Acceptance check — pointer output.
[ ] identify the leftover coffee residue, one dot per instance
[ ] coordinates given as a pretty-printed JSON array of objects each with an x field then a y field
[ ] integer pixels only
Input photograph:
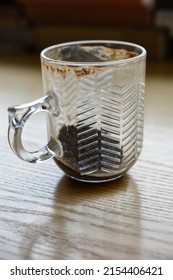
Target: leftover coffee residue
[{"x": 84, "y": 54}]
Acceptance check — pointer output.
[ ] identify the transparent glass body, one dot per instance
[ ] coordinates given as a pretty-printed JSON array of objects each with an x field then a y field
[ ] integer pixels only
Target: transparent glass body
[
  {"x": 99, "y": 87},
  {"x": 94, "y": 97}
]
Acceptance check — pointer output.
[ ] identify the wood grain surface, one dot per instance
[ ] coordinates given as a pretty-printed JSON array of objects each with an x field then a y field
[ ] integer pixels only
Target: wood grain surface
[{"x": 46, "y": 215}]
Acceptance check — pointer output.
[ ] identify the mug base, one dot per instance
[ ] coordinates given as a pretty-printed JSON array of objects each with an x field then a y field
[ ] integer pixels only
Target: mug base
[
  {"x": 96, "y": 180},
  {"x": 88, "y": 178}
]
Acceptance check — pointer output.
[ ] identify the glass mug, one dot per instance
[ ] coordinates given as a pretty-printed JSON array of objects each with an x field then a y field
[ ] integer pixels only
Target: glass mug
[{"x": 94, "y": 97}]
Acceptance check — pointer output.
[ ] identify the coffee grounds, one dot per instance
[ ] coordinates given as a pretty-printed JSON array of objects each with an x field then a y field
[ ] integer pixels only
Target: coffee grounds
[
  {"x": 69, "y": 163},
  {"x": 67, "y": 137}
]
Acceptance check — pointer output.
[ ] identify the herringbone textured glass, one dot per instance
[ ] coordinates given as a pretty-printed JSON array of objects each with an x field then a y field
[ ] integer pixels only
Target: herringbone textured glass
[
  {"x": 107, "y": 122},
  {"x": 100, "y": 124}
]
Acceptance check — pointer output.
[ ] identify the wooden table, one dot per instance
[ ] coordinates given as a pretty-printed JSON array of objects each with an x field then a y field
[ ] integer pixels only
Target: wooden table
[{"x": 45, "y": 215}]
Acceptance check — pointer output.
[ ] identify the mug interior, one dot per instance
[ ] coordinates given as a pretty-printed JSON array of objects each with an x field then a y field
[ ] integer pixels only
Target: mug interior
[{"x": 93, "y": 52}]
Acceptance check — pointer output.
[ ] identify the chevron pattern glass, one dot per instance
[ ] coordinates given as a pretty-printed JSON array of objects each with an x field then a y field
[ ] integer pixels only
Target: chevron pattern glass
[{"x": 94, "y": 94}]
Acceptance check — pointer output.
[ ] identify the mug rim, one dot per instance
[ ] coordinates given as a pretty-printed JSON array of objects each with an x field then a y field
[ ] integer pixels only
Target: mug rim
[{"x": 136, "y": 58}]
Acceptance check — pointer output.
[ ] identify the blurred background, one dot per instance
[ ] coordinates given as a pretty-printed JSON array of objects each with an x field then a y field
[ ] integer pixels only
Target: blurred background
[{"x": 30, "y": 25}]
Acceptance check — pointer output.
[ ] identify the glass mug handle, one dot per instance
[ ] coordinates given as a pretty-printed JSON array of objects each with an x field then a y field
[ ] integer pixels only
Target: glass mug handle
[{"x": 18, "y": 116}]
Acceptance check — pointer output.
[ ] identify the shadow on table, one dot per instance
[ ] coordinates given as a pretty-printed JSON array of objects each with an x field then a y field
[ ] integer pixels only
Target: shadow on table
[{"x": 88, "y": 221}]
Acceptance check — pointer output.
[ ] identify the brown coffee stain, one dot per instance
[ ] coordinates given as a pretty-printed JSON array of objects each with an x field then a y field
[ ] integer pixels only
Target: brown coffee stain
[
  {"x": 112, "y": 54},
  {"x": 78, "y": 71}
]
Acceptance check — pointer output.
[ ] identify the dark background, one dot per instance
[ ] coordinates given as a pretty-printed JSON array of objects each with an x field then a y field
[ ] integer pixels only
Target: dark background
[{"x": 31, "y": 25}]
